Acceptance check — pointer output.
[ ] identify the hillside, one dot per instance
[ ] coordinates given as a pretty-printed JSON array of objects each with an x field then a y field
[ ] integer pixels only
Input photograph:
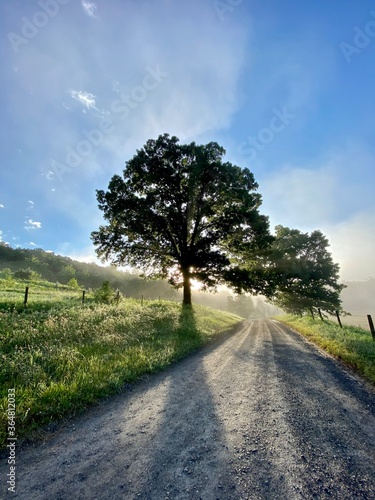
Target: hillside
[{"x": 58, "y": 269}]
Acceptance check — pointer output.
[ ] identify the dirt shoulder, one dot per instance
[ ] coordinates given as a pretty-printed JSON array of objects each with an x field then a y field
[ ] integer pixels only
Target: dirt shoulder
[{"x": 259, "y": 414}]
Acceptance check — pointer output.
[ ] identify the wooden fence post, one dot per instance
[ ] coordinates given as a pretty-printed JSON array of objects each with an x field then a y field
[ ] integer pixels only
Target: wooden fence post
[
  {"x": 320, "y": 314},
  {"x": 338, "y": 318},
  {"x": 142, "y": 300},
  {"x": 370, "y": 322},
  {"x": 83, "y": 296},
  {"x": 26, "y": 296},
  {"x": 118, "y": 296}
]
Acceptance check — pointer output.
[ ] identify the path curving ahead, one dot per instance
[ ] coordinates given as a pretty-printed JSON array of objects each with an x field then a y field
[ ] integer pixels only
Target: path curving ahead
[{"x": 259, "y": 414}]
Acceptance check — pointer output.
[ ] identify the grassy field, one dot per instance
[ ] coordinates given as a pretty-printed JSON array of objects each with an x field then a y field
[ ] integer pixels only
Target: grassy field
[
  {"x": 353, "y": 345},
  {"x": 42, "y": 295},
  {"x": 62, "y": 357}
]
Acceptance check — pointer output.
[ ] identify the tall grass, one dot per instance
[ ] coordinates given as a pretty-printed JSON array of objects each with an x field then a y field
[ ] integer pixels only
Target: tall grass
[
  {"x": 61, "y": 360},
  {"x": 353, "y": 345},
  {"x": 43, "y": 295}
]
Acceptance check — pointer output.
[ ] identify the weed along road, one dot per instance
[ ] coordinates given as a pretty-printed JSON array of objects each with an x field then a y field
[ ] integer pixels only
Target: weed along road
[{"x": 260, "y": 413}]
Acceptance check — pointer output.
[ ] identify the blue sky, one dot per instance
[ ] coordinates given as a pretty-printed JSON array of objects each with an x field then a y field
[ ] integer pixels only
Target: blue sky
[{"x": 286, "y": 87}]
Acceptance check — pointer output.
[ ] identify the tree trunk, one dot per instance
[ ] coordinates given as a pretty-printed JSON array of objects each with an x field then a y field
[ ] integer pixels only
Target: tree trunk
[{"x": 187, "y": 288}]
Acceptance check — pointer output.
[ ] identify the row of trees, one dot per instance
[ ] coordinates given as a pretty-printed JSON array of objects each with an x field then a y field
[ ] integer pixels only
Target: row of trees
[{"x": 181, "y": 212}]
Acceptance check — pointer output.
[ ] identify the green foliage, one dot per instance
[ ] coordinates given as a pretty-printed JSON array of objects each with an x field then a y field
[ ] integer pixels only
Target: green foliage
[
  {"x": 350, "y": 344},
  {"x": 301, "y": 271},
  {"x": 73, "y": 283},
  {"x": 105, "y": 293},
  {"x": 66, "y": 274},
  {"x": 64, "y": 359},
  {"x": 180, "y": 212},
  {"x": 241, "y": 305},
  {"x": 26, "y": 274},
  {"x": 6, "y": 273}
]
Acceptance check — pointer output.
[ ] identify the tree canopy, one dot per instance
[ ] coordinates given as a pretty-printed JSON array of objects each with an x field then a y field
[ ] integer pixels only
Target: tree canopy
[
  {"x": 180, "y": 212},
  {"x": 302, "y": 273}
]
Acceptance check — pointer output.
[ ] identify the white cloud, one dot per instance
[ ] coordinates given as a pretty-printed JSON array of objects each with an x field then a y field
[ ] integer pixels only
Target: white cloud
[
  {"x": 2, "y": 206},
  {"x": 31, "y": 205},
  {"x": 353, "y": 245},
  {"x": 89, "y": 8},
  {"x": 84, "y": 98},
  {"x": 30, "y": 225},
  {"x": 32, "y": 244},
  {"x": 321, "y": 192}
]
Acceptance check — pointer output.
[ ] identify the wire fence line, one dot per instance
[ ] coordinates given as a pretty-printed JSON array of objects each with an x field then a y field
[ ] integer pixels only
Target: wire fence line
[
  {"x": 20, "y": 297},
  {"x": 28, "y": 295}
]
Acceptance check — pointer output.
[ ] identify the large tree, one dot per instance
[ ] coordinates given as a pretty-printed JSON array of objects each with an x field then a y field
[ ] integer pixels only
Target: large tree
[
  {"x": 301, "y": 274},
  {"x": 180, "y": 212}
]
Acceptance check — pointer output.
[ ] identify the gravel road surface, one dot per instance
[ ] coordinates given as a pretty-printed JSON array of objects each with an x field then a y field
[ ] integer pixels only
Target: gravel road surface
[{"x": 260, "y": 414}]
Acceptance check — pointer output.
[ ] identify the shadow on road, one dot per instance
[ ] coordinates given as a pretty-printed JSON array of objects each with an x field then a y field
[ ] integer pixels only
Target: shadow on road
[{"x": 189, "y": 446}]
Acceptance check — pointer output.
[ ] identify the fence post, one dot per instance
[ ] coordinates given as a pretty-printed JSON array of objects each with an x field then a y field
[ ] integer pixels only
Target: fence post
[
  {"x": 370, "y": 322},
  {"x": 26, "y": 296},
  {"x": 338, "y": 318},
  {"x": 320, "y": 314},
  {"x": 142, "y": 300},
  {"x": 83, "y": 296},
  {"x": 118, "y": 296},
  {"x": 312, "y": 313}
]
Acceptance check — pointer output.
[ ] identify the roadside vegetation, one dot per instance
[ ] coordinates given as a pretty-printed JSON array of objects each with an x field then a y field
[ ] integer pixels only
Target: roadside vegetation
[
  {"x": 352, "y": 345},
  {"x": 61, "y": 356}
]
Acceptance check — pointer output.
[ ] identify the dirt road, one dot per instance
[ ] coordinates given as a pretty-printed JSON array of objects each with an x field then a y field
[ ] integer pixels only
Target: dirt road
[{"x": 259, "y": 414}]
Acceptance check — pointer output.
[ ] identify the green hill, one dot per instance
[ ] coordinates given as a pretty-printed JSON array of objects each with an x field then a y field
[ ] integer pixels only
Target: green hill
[{"x": 56, "y": 268}]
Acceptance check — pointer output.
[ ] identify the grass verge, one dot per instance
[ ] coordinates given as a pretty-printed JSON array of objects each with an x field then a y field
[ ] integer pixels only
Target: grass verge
[
  {"x": 62, "y": 360},
  {"x": 352, "y": 345}
]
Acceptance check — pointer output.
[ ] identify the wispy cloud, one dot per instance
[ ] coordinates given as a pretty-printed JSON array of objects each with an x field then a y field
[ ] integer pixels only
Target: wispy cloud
[
  {"x": 2, "y": 206},
  {"x": 31, "y": 225},
  {"x": 85, "y": 98},
  {"x": 31, "y": 205},
  {"x": 89, "y": 8}
]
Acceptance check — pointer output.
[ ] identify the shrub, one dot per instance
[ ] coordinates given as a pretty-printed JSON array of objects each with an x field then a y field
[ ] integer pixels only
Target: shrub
[
  {"x": 73, "y": 283},
  {"x": 105, "y": 293}
]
